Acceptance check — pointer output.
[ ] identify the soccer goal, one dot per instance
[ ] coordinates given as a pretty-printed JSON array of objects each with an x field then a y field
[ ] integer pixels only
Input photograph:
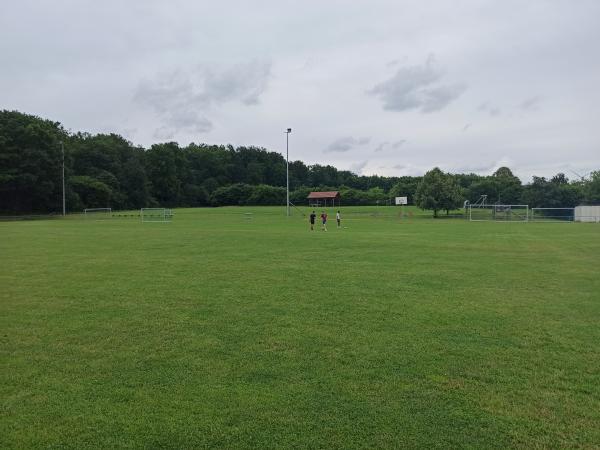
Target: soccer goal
[
  {"x": 97, "y": 213},
  {"x": 557, "y": 215},
  {"x": 156, "y": 214},
  {"x": 499, "y": 213}
]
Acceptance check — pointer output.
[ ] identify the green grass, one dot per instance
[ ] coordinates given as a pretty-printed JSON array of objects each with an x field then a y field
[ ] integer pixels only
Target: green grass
[{"x": 219, "y": 331}]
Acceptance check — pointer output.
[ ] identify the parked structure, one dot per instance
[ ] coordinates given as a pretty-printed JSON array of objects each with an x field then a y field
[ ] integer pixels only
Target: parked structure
[
  {"x": 329, "y": 198},
  {"x": 587, "y": 213}
]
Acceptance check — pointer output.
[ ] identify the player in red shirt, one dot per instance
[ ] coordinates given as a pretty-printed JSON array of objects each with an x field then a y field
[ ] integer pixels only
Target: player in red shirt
[{"x": 324, "y": 221}]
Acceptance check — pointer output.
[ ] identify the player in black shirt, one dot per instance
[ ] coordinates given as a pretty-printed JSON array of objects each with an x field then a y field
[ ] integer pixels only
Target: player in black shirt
[{"x": 313, "y": 216}]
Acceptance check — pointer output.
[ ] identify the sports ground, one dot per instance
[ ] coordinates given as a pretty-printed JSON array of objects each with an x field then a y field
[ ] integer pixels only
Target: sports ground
[{"x": 234, "y": 330}]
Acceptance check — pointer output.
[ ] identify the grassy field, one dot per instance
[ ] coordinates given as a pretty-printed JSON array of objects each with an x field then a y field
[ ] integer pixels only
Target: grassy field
[{"x": 219, "y": 330}]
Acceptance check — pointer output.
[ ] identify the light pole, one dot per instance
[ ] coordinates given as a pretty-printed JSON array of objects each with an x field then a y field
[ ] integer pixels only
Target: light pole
[
  {"x": 62, "y": 146},
  {"x": 287, "y": 168}
]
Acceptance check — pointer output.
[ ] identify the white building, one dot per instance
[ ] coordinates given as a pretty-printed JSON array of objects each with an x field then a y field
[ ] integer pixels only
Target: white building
[{"x": 587, "y": 214}]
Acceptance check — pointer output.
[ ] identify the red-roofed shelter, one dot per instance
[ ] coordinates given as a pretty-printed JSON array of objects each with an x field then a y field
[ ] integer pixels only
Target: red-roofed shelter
[{"x": 322, "y": 198}]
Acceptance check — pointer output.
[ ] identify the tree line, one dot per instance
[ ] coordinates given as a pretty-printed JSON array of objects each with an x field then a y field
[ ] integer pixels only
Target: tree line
[
  {"x": 441, "y": 191},
  {"x": 106, "y": 170}
]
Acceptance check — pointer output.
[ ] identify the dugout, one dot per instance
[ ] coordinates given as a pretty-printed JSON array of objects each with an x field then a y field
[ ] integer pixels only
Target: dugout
[{"x": 329, "y": 198}]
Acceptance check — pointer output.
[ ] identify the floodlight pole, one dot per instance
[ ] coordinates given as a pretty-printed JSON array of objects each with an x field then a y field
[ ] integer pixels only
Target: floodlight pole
[
  {"x": 287, "y": 169},
  {"x": 62, "y": 146}
]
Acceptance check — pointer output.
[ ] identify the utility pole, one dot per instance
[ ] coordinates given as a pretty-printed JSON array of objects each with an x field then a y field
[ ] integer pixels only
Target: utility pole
[
  {"x": 287, "y": 168},
  {"x": 62, "y": 146}
]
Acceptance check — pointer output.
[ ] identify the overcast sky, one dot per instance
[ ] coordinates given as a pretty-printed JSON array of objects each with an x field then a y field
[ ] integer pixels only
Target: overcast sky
[{"x": 387, "y": 87}]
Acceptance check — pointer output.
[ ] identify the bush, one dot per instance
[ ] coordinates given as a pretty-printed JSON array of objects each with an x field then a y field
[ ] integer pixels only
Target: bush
[
  {"x": 267, "y": 195},
  {"x": 92, "y": 192},
  {"x": 235, "y": 194}
]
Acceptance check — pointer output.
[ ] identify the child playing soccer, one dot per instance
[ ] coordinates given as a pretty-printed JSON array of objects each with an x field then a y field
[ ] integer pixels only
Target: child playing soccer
[{"x": 324, "y": 221}]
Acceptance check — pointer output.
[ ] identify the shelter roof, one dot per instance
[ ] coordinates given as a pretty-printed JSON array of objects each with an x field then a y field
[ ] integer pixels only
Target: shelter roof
[{"x": 327, "y": 194}]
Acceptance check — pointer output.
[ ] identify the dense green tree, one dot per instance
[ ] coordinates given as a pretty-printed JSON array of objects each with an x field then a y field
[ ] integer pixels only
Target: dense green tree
[
  {"x": 114, "y": 161},
  {"x": 538, "y": 194},
  {"x": 556, "y": 193},
  {"x": 134, "y": 182},
  {"x": 591, "y": 190},
  {"x": 454, "y": 197},
  {"x": 298, "y": 174},
  {"x": 165, "y": 168},
  {"x": 508, "y": 186},
  {"x": 267, "y": 195},
  {"x": 406, "y": 187},
  {"x": 465, "y": 180},
  {"x": 501, "y": 187},
  {"x": 484, "y": 186},
  {"x": 438, "y": 191},
  {"x": 92, "y": 192},
  {"x": 235, "y": 194},
  {"x": 322, "y": 175},
  {"x": 30, "y": 163},
  {"x": 560, "y": 179},
  {"x": 566, "y": 194}
]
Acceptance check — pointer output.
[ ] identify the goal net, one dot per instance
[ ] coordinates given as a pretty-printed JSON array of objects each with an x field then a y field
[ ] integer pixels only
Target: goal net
[
  {"x": 552, "y": 214},
  {"x": 97, "y": 213},
  {"x": 156, "y": 214},
  {"x": 499, "y": 213}
]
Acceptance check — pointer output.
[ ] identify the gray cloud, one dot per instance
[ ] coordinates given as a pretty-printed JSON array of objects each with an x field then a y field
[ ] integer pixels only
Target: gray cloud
[
  {"x": 438, "y": 98},
  {"x": 488, "y": 108},
  {"x": 244, "y": 82},
  {"x": 396, "y": 145},
  {"x": 417, "y": 87},
  {"x": 180, "y": 98},
  {"x": 186, "y": 120},
  {"x": 346, "y": 143},
  {"x": 531, "y": 103},
  {"x": 390, "y": 145},
  {"x": 466, "y": 127},
  {"x": 381, "y": 147}
]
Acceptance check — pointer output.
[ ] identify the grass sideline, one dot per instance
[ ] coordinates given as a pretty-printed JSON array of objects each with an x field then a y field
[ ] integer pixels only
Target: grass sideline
[{"x": 217, "y": 330}]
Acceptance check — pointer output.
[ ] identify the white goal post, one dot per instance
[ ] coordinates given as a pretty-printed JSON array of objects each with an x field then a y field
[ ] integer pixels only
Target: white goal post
[
  {"x": 499, "y": 213},
  {"x": 97, "y": 213},
  {"x": 156, "y": 214}
]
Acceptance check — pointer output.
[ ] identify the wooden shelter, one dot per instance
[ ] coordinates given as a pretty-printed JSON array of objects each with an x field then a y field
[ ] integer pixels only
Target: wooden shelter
[{"x": 324, "y": 198}]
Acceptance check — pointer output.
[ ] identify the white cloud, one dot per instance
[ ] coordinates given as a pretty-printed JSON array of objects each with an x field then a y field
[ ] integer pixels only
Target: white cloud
[{"x": 358, "y": 167}]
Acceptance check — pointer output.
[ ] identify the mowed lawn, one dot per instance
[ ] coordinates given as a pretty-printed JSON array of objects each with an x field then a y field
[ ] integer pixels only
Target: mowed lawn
[{"x": 228, "y": 330}]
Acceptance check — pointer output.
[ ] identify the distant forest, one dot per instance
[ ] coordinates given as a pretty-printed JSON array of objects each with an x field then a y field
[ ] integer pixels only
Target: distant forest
[{"x": 106, "y": 170}]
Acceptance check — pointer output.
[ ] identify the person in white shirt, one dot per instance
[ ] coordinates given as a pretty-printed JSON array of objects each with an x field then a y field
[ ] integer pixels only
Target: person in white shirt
[{"x": 339, "y": 219}]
